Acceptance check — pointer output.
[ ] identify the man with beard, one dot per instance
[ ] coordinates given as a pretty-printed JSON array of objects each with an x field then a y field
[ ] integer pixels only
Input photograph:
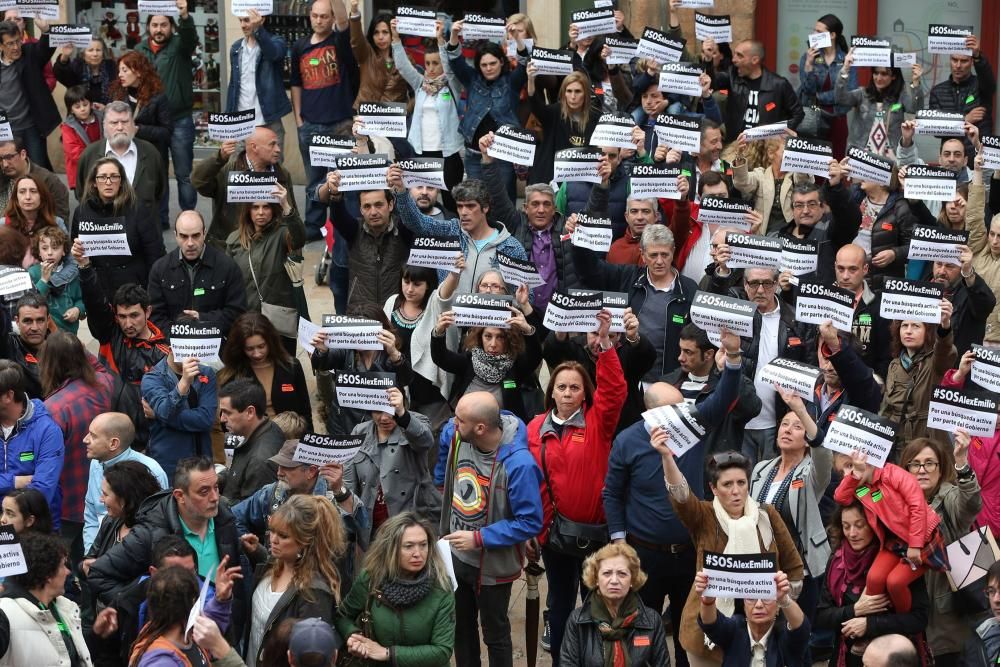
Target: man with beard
[
  {"x": 970, "y": 295},
  {"x": 32, "y": 316},
  {"x": 426, "y": 197},
  {"x": 757, "y": 96},
  {"x": 144, "y": 167}
]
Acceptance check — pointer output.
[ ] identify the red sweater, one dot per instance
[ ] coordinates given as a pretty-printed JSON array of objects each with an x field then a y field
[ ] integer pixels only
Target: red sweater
[
  {"x": 895, "y": 501},
  {"x": 578, "y": 462}
]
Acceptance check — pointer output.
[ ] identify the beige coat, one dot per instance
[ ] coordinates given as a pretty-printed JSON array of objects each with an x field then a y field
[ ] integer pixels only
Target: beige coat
[
  {"x": 759, "y": 184},
  {"x": 986, "y": 263},
  {"x": 33, "y": 634}
]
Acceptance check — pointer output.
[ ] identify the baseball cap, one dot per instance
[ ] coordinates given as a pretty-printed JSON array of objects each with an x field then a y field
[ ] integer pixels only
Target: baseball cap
[
  {"x": 313, "y": 636},
  {"x": 284, "y": 457}
]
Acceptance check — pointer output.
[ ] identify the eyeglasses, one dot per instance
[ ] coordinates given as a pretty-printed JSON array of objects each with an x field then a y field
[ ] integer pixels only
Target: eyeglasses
[
  {"x": 755, "y": 285},
  {"x": 108, "y": 178},
  {"x": 800, "y": 205},
  {"x": 13, "y": 43},
  {"x": 9, "y": 157},
  {"x": 916, "y": 466},
  {"x": 992, "y": 592}
]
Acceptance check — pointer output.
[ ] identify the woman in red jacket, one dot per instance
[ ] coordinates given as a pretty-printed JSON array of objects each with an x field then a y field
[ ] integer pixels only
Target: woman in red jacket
[{"x": 571, "y": 443}]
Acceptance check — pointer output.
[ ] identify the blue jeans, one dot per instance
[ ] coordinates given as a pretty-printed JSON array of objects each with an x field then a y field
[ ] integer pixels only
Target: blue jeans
[
  {"x": 315, "y": 211},
  {"x": 34, "y": 143},
  {"x": 182, "y": 155}
]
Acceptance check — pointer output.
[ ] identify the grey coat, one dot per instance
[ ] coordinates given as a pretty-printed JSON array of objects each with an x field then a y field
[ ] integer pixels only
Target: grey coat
[
  {"x": 814, "y": 472},
  {"x": 863, "y": 111},
  {"x": 399, "y": 466}
]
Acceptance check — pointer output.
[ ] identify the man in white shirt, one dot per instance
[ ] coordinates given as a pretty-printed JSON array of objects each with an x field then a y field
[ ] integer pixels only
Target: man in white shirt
[{"x": 256, "y": 65}]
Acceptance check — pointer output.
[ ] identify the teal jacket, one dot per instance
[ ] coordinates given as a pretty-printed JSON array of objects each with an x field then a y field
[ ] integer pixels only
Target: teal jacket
[
  {"x": 173, "y": 62},
  {"x": 61, "y": 298}
]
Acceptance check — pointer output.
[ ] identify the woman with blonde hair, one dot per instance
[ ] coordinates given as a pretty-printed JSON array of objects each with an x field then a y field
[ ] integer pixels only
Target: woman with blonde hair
[
  {"x": 301, "y": 579},
  {"x": 568, "y": 122},
  {"x": 405, "y": 593},
  {"x": 613, "y": 626},
  {"x": 761, "y": 177}
]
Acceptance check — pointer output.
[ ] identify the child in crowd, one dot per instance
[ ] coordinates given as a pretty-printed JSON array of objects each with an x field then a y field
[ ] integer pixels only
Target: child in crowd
[
  {"x": 906, "y": 526},
  {"x": 57, "y": 278},
  {"x": 83, "y": 126},
  {"x": 292, "y": 424}
]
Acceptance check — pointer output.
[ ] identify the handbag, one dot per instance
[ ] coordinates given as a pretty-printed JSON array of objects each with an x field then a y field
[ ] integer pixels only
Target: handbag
[
  {"x": 284, "y": 319},
  {"x": 815, "y": 124},
  {"x": 571, "y": 538},
  {"x": 364, "y": 623},
  {"x": 969, "y": 587}
]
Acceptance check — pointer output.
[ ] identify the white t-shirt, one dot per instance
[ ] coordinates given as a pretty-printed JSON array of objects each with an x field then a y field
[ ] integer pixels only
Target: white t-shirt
[{"x": 767, "y": 351}]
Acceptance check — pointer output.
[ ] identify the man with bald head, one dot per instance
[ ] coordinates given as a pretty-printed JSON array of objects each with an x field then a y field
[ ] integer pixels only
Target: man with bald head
[
  {"x": 210, "y": 177},
  {"x": 891, "y": 651},
  {"x": 491, "y": 507},
  {"x": 635, "y": 497},
  {"x": 196, "y": 280},
  {"x": 757, "y": 96},
  {"x": 870, "y": 330},
  {"x": 109, "y": 441}
]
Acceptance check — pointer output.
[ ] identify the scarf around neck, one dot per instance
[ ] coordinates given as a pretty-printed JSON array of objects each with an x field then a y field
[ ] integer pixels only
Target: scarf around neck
[
  {"x": 490, "y": 368},
  {"x": 849, "y": 568},
  {"x": 403, "y": 593},
  {"x": 434, "y": 86},
  {"x": 743, "y": 538},
  {"x": 614, "y": 631}
]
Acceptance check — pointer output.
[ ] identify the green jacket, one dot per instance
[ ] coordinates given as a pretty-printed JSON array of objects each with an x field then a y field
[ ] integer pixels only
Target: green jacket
[
  {"x": 419, "y": 636},
  {"x": 173, "y": 62},
  {"x": 268, "y": 254},
  {"x": 60, "y": 300}
]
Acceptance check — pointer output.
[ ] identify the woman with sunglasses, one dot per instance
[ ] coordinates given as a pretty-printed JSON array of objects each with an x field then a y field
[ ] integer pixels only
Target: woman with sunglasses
[{"x": 732, "y": 523}]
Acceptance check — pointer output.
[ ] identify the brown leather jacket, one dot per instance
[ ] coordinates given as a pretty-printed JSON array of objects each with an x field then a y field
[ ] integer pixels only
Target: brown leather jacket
[{"x": 378, "y": 82}]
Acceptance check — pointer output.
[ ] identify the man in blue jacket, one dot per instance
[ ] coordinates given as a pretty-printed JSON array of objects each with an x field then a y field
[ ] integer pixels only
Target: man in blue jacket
[
  {"x": 32, "y": 442},
  {"x": 491, "y": 506}
]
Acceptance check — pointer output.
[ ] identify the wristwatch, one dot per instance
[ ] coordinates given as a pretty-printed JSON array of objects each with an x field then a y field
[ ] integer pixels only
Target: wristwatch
[{"x": 342, "y": 495}]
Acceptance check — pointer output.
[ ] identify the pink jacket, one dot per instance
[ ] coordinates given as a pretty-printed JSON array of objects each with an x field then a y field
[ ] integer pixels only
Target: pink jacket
[{"x": 895, "y": 501}]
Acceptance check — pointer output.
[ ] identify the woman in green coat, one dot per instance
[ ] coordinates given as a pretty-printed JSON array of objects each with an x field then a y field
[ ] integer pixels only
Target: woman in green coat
[{"x": 406, "y": 590}]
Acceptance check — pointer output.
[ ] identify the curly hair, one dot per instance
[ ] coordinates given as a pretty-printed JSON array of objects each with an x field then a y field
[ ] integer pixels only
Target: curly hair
[
  {"x": 148, "y": 79},
  {"x": 46, "y": 216},
  {"x": 132, "y": 482},
  {"x": 316, "y": 526},
  {"x": 835, "y": 529},
  {"x": 44, "y": 554},
  {"x": 593, "y": 563},
  {"x": 55, "y": 236},
  {"x": 515, "y": 340}
]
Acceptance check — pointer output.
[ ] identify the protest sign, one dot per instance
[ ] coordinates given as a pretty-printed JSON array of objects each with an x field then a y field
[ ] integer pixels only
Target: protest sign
[
  {"x": 924, "y": 182},
  {"x": 577, "y": 164},
  {"x": 614, "y": 302},
  {"x": 195, "y": 341},
  {"x": 518, "y": 271},
  {"x": 793, "y": 376},
  {"x": 235, "y": 126},
  {"x": 798, "y": 257},
  {"x": 306, "y": 331},
  {"x": 419, "y": 171},
  {"x": 762, "y": 132},
  {"x": 594, "y": 22},
  {"x": 529, "y": 45},
  {"x": 435, "y": 252},
  {"x": 746, "y": 576},
  {"x": 986, "y": 368},
  {"x": 712, "y": 312},
  {"x": 753, "y": 252},
  {"x": 820, "y": 40},
  {"x": 241, "y": 8},
  {"x": 871, "y": 51},
  {"x": 657, "y": 45},
  {"x": 482, "y": 310},
  {"x": 158, "y": 8},
  {"x": 696, "y": 4},
  {"x": 684, "y": 429},
  {"x": 975, "y": 411},
  {"x": 933, "y": 122},
  {"x": 363, "y": 172},
  {"x": 102, "y": 237},
  {"x": 990, "y": 151},
  {"x": 904, "y": 59},
  {"x": 681, "y": 79},
  {"x": 592, "y": 232},
  {"x": 680, "y": 132},
  {"x": 935, "y": 244},
  {"x": 655, "y": 180},
  {"x": 869, "y": 167},
  {"x": 352, "y": 333},
  {"x": 807, "y": 156},
  {"x": 911, "y": 300},
  {"x": 948, "y": 39},
  {"x": 246, "y": 187},
  {"x": 6, "y": 132},
  {"x": 552, "y": 61},
  {"x": 79, "y": 36},
  {"x": 573, "y": 313},
  {"x": 11, "y": 555},
  {"x": 817, "y": 303},
  {"x": 382, "y": 119},
  {"x": 483, "y": 26},
  {"x": 613, "y": 129},
  {"x": 198, "y": 608},
  {"x": 14, "y": 280},
  {"x": 729, "y": 213},
  {"x": 43, "y": 9},
  {"x": 365, "y": 391},
  {"x": 622, "y": 49},
  {"x": 325, "y": 149},
  {"x": 416, "y": 21},
  {"x": 718, "y": 27},
  {"x": 854, "y": 429},
  {"x": 512, "y": 144},
  {"x": 318, "y": 449}
]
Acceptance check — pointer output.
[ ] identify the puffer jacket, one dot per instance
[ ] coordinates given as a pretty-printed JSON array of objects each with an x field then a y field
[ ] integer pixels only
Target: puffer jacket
[
  {"x": 35, "y": 447},
  {"x": 381, "y": 81},
  {"x": 976, "y": 90},
  {"x": 75, "y": 139},
  {"x": 864, "y": 109},
  {"x": 759, "y": 184},
  {"x": 908, "y": 392},
  {"x": 33, "y": 637},
  {"x": 499, "y": 99},
  {"x": 891, "y": 230},
  {"x": 268, "y": 253},
  {"x": 173, "y": 63},
  {"x": 583, "y": 645}
]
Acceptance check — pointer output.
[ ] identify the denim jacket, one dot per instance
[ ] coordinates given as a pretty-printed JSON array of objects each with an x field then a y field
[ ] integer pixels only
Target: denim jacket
[
  {"x": 274, "y": 103},
  {"x": 810, "y": 84},
  {"x": 500, "y": 99},
  {"x": 445, "y": 103}
]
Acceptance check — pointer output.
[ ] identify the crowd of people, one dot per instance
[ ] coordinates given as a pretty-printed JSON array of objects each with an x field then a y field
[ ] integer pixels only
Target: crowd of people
[{"x": 164, "y": 506}]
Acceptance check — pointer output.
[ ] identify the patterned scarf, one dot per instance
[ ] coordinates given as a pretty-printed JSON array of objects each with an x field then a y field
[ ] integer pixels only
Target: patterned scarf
[
  {"x": 433, "y": 86},
  {"x": 615, "y": 630},
  {"x": 490, "y": 368}
]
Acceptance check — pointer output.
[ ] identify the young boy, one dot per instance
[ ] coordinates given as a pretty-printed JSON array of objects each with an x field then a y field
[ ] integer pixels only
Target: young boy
[
  {"x": 83, "y": 126},
  {"x": 57, "y": 278}
]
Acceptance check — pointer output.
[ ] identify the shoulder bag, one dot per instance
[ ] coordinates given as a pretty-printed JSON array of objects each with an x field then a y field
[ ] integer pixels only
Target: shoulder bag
[
  {"x": 571, "y": 538},
  {"x": 284, "y": 319}
]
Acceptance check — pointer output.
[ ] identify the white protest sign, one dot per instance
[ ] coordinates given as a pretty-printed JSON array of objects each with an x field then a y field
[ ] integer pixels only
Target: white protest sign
[
  {"x": 904, "y": 59},
  {"x": 932, "y": 122},
  {"x": 614, "y": 302},
  {"x": 684, "y": 429},
  {"x": 990, "y": 151},
  {"x": 435, "y": 253},
  {"x": 613, "y": 129},
  {"x": 38, "y": 9},
  {"x": 948, "y": 39},
  {"x": 482, "y": 310},
  {"x": 655, "y": 180},
  {"x": 718, "y": 28},
  {"x": 986, "y": 368},
  {"x": 592, "y": 232},
  {"x": 573, "y": 313},
  {"x": 14, "y": 280},
  {"x": 552, "y": 61},
  {"x": 443, "y": 548},
  {"x": 512, "y": 144},
  {"x": 680, "y": 132},
  {"x": 577, "y": 164},
  {"x": 196, "y": 341},
  {"x": 246, "y": 187},
  {"x": 869, "y": 167},
  {"x": 622, "y": 50},
  {"x": 729, "y": 213},
  {"x": 11, "y": 555},
  {"x": 807, "y": 156},
  {"x": 518, "y": 271},
  {"x": 975, "y": 411},
  {"x": 854, "y": 429},
  {"x": 159, "y": 8},
  {"x": 382, "y": 119},
  {"x": 529, "y": 45},
  {"x": 317, "y": 449},
  {"x": 306, "y": 331},
  {"x": 657, "y": 45},
  {"x": 935, "y": 244},
  {"x": 820, "y": 40},
  {"x": 594, "y": 22},
  {"x": 351, "y": 333},
  {"x": 911, "y": 300},
  {"x": 79, "y": 36},
  {"x": 325, "y": 149},
  {"x": 6, "y": 132},
  {"x": 103, "y": 237},
  {"x": 241, "y": 8},
  {"x": 363, "y": 172},
  {"x": 924, "y": 182},
  {"x": 798, "y": 257},
  {"x": 872, "y": 51},
  {"x": 199, "y": 605},
  {"x": 793, "y": 376},
  {"x": 753, "y": 252},
  {"x": 680, "y": 78},
  {"x": 817, "y": 303},
  {"x": 696, "y": 4},
  {"x": 365, "y": 391},
  {"x": 483, "y": 26},
  {"x": 417, "y": 21},
  {"x": 762, "y": 132},
  {"x": 236, "y": 126},
  {"x": 423, "y": 171},
  {"x": 711, "y": 312},
  {"x": 747, "y": 576}
]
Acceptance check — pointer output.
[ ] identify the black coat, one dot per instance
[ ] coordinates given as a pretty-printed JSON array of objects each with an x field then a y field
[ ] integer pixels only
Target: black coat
[
  {"x": 218, "y": 293},
  {"x": 973, "y": 306},
  {"x": 252, "y": 468},
  {"x": 289, "y": 392},
  {"x": 154, "y": 123},
  {"x": 342, "y": 421},
  {"x": 777, "y": 101},
  {"x": 891, "y": 230},
  {"x": 76, "y": 72},
  {"x": 583, "y": 646},
  {"x": 149, "y": 183},
  {"x": 43, "y": 110}
]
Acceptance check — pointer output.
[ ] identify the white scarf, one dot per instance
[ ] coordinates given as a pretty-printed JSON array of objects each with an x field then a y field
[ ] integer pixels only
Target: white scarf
[{"x": 743, "y": 538}]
